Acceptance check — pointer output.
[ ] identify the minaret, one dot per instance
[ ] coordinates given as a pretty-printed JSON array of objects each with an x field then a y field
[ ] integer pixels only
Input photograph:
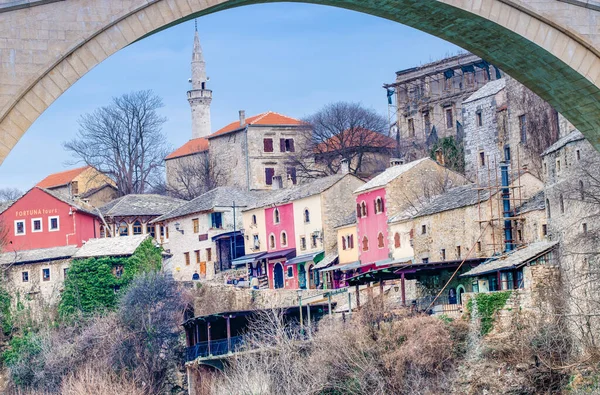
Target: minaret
[{"x": 199, "y": 97}]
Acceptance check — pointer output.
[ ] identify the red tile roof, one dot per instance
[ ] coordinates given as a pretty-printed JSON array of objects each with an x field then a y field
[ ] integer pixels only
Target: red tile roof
[
  {"x": 266, "y": 118},
  {"x": 62, "y": 178},
  {"x": 191, "y": 147},
  {"x": 361, "y": 137}
]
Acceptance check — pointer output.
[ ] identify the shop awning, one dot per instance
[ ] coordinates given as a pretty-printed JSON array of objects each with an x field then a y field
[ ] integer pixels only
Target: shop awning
[
  {"x": 315, "y": 257},
  {"x": 343, "y": 267},
  {"x": 388, "y": 273},
  {"x": 328, "y": 260},
  {"x": 244, "y": 260},
  {"x": 289, "y": 253},
  {"x": 226, "y": 235}
]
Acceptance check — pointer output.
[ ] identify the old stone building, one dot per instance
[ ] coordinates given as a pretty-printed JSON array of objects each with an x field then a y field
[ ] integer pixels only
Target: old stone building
[
  {"x": 429, "y": 100},
  {"x": 504, "y": 121}
]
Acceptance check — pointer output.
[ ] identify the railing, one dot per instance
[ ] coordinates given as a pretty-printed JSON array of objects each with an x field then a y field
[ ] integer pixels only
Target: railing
[
  {"x": 442, "y": 305},
  {"x": 214, "y": 348}
]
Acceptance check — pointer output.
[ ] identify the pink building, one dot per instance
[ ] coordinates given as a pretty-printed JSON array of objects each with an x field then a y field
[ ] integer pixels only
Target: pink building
[
  {"x": 281, "y": 245},
  {"x": 372, "y": 228}
]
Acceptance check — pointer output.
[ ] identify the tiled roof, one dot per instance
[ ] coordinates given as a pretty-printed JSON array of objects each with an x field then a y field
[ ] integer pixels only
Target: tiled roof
[
  {"x": 191, "y": 147},
  {"x": 61, "y": 178},
  {"x": 39, "y": 255},
  {"x": 65, "y": 199},
  {"x": 489, "y": 89},
  {"x": 266, "y": 118},
  {"x": 536, "y": 202},
  {"x": 389, "y": 174},
  {"x": 110, "y": 246},
  {"x": 352, "y": 139},
  {"x": 134, "y": 205},
  {"x": 512, "y": 260},
  {"x": 462, "y": 196},
  {"x": 218, "y": 197},
  {"x": 302, "y": 191},
  {"x": 575, "y": 135}
]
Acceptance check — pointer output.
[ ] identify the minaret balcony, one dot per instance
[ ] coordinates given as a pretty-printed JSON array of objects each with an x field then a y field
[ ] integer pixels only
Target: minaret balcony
[{"x": 199, "y": 93}]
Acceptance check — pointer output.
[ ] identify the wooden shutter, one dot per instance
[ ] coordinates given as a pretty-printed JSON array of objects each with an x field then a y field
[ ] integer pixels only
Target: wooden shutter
[
  {"x": 358, "y": 210},
  {"x": 343, "y": 242},
  {"x": 268, "y": 145},
  {"x": 282, "y": 145},
  {"x": 351, "y": 241},
  {"x": 291, "y": 144},
  {"x": 269, "y": 173}
]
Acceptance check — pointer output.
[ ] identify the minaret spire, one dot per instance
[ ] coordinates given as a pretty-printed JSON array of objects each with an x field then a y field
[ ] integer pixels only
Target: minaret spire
[{"x": 199, "y": 96}]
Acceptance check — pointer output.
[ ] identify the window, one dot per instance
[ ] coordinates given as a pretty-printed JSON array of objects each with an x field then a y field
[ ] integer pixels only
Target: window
[
  {"x": 548, "y": 209},
  {"x": 411, "y": 127},
  {"x": 291, "y": 174},
  {"x": 276, "y": 217},
  {"x": 506, "y": 153},
  {"x": 123, "y": 229},
  {"x": 117, "y": 271},
  {"x": 19, "y": 227},
  {"x": 443, "y": 254},
  {"x": 397, "y": 240},
  {"x": 557, "y": 165},
  {"x": 523, "y": 127},
  {"x": 53, "y": 224},
  {"x": 519, "y": 235},
  {"x": 358, "y": 210},
  {"x": 286, "y": 145},
  {"x": 380, "y": 242},
  {"x": 272, "y": 241},
  {"x": 153, "y": 231},
  {"x": 269, "y": 173},
  {"x": 458, "y": 252},
  {"x": 256, "y": 242},
  {"x": 209, "y": 254},
  {"x": 584, "y": 227},
  {"x": 423, "y": 229},
  {"x": 65, "y": 270},
  {"x": 283, "y": 239},
  {"x": 448, "y": 83},
  {"x": 351, "y": 241},
  {"x": 36, "y": 225},
  {"x": 545, "y": 168},
  {"x": 303, "y": 243},
  {"x": 254, "y": 219},
  {"x": 544, "y": 230},
  {"x": 196, "y": 225},
  {"x": 363, "y": 209},
  {"x": 562, "y": 204},
  {"x": 479, "y": 118},
  {"x": 426, "y": 122},
  {"x": 25, "y": 276},
  {"x": 46, "y": 274},
  {"x": 137, "y": 228},
  {"x": 469, "y": 79},
  {"x": 268, "y": 145},
  {"x": 449, "y": 118},
  {"x": 306, "y": 216},
  {"x": 344, "y": 243},
  {"x": 479, "y": 246},
  {"x": 74, "y": 188},
  {"x": 197, "y": 253},
  {"x": 290, "y": 272},
  {"x": 162, "y": 231},
  {"x": 425, "y": 260},
  {"x": 186, "y": 255},
  {"x": 578, "y": 155},
  {"x": 216, "y": 220},
  {"x": 378, "y": 205},
  {"x": 581, "y": 190},
  {"x": 365, "y": 244},
  {"x": 102, "y": 232},
  {"x": 313, "y": 240}
]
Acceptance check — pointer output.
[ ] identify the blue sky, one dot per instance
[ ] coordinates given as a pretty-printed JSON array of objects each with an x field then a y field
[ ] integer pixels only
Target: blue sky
[{"x": 284, "y": 57}]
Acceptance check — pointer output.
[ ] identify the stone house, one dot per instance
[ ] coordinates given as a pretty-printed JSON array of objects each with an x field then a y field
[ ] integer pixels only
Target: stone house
[
  {"x": 185, "y": 161},
  {"x": 85, "y": 184},
  {"x": 429, "y": 100},
  {"x": 504, "y": 121},
  {"x": 132, "y": 215},
  {"x": 297, "y": 226},
  {"x": 206, "y": 233}
]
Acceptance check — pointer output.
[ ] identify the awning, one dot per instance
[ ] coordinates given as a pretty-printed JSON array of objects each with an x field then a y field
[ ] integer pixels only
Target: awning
[
  {"x": 226, "y": 235},
  {"x": 315, "y": 257},
  {"x": 388, "y": 273},
  {"x": 244, "y": 260},
  {"x": 512, "y": 260},
  {"x": 344, "y": 267},
  {"x": 384, "y": 262},
  {"x": 328, "y": 260},
  {"x": 289, "y": 253}
]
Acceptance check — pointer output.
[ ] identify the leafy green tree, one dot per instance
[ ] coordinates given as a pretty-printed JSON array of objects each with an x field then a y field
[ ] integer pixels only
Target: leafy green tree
[{"x": 453, "y": 152}]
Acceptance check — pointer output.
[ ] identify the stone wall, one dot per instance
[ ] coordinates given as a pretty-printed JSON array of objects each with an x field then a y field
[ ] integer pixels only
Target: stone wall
[{"x": 229, "y": 153}]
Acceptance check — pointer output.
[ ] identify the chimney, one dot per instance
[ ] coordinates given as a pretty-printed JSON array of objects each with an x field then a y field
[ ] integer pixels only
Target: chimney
[
  {"x": 242, "y": 117},
  {"x": 344, "y": 166},
  {"x": 396, "y": 162},
  {"x": 439, "y": 157},
  {"x": 277, "y": 183}
]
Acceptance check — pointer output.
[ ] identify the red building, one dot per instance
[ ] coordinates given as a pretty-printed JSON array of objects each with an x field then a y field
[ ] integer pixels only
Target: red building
[{"x": 45, "y": 219}]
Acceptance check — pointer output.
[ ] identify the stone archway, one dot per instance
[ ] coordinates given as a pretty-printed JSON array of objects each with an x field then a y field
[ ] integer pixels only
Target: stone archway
[{"x": 550, "y": 46}]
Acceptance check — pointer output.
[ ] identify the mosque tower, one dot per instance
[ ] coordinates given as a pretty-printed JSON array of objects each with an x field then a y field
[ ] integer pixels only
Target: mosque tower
[{"x": 199, "y": 97}]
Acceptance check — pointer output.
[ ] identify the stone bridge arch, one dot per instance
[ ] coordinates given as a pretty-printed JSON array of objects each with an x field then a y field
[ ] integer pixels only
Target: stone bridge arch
[{"x": 550, "y": 46}]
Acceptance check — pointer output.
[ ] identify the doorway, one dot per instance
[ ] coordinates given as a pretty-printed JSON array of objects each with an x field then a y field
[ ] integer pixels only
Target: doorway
[{"x": 278, "y": 276}]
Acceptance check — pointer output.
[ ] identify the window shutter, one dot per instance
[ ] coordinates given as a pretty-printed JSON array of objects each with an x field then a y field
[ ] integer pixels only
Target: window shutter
[
  {"x": 269, "y": 173},
  {"x": 382, "y": 205},
  {"x": 268, "y": 145},
  {"x": 282, "y": 145},
  {"x": 292, "y": 149},
  {"x": 357, "y": 210},
  {"x": 343, "y": 242},
  {"x": 375, "y": 206},
  {"x": 292, "y": 174}
]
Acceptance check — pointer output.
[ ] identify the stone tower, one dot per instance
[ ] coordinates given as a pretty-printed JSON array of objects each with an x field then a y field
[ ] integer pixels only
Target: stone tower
[{"x": 199, "y": 97}]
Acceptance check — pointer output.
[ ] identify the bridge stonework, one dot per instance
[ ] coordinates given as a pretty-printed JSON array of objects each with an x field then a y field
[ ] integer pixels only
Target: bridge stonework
[{"x": 551, "y": 46}]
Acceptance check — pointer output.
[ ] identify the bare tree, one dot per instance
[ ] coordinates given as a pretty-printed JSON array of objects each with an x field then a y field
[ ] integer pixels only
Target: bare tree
[
  {"x": 194, "y": 175},
  {"x": 343, "y": 131},
  {"x": 124, "y": 140},
  {"x": 10, "y": 194}
]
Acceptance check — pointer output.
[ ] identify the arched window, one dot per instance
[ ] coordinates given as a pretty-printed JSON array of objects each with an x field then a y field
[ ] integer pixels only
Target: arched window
[
  {"x": 272, "y": 241},
  {"x": 581, "y": 191},
  {"x": 137, "y": 228},
  {"x": 358, "y": 210},
  {"x": 365, "y": 244},
  {"x": 548, "y": 209},
  {"x": 283, "y": 239},
  {"x": 397, "y": 240},
  {"x": 276, "y": 216},
  {"x": 306, "y": 216},
  {"x": 253, "y": 219},
  {"x": 363, "y": 209},
  {"x": 123, "y": 229},
  {"x": 562, "y": 204},
  {"x": 380, "y": 242},
  {"x": 378, "y": 205}
]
